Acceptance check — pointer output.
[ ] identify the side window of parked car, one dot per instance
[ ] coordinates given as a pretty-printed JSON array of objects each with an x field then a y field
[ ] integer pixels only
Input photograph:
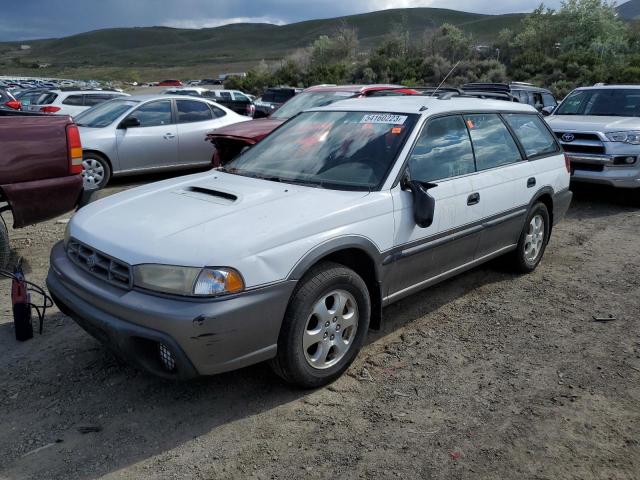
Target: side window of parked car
[
  {"x": 91, "y": 100},
  {"x": 443, "y": 150},
  {"x": 533, "y": 135},
  {"x": 154, "y": 114},
  {"x": 217, "y": 112},
  {"x": 225, "y": 95},
  {"x": 548, "y": 100},
  {"x": 190, "y": 111},
  {"x": 492, "y": 141},
  {"x": 237, "y": 96},
  {"x": 74, "y": 100}
]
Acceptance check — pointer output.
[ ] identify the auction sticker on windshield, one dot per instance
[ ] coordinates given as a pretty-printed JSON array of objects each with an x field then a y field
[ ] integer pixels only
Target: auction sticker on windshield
[{"x": 384, "y": 118}]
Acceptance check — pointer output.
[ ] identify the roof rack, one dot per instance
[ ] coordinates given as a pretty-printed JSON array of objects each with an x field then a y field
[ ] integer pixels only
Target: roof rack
[{"x": 487, "y": 87}]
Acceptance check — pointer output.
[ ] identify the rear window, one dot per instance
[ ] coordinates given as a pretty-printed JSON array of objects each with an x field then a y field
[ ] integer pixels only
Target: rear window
[
  {"x": 46, "y": 98},
  {"x": 190, "y": 111},
  {"x": 533, "y": 135},
  {"x": 74, "y": 100},
  {"x": 277, "y": 96}
]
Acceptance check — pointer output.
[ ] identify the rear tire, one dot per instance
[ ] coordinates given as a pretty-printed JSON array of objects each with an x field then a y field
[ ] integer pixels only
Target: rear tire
[
  {"x": 533, "y": 240},
  {"x": 96, "y": 171},
  {"x": 5, "y": 250},
  {"x": 324, "y": 327}
]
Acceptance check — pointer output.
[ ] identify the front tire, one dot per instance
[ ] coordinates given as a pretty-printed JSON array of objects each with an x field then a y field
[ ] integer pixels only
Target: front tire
[
  {"x": 96, "y": 171},
  {"x": 533, "y": 239},
  {"x": 324, "y": 327}
]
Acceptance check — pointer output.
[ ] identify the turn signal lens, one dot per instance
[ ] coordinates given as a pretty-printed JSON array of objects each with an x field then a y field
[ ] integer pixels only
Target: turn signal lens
[
  {"x": 218, "y": 282},
  {"x": 75, "y": 150}
]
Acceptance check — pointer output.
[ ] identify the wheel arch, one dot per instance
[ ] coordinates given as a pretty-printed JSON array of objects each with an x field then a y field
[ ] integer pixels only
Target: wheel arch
[
  {"x": 102, "y": 154},
  {"x": 357, "y": 253},
  {"x": 545, "y": 196}
]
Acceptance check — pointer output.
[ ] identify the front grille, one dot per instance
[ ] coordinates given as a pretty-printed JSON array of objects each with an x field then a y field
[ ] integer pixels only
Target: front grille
[
  {"x": 580, "y": 136},
  {"x": 577, "y": 148},
  {"x": 98, "y": 264},
  {"x": 589, "y": 167}
]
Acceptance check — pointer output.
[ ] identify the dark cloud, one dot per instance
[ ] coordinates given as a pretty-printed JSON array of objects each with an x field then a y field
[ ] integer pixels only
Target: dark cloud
[{"x": 29, "y": 19}]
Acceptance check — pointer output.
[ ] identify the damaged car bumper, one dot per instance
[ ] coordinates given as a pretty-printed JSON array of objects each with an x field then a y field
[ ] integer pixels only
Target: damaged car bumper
[{"x": 170, "y": 336}]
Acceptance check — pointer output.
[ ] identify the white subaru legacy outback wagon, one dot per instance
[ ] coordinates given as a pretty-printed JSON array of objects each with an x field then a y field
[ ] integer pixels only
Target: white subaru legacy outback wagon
[{"x": 289, "y": 252}]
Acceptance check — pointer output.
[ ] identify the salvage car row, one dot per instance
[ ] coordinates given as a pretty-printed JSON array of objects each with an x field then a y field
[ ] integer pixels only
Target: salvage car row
[{"x": 347, "y": 199}]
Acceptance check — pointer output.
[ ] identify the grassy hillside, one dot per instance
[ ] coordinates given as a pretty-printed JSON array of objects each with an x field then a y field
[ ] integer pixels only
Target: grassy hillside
[
  {"x": 629, "y": 10},
  {"x": 156, "y": 48}
]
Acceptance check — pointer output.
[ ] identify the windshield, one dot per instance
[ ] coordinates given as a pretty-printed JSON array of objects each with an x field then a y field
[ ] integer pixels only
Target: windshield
[
  {"x": 104, "y": 114},
  {"x": 340, "y": 150},
  {"x": 618, "y": 102},
  {"x": 305, "y": 101}
]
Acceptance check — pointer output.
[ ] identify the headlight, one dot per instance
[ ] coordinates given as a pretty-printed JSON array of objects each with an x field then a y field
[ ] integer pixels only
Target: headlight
[
  {"x": 625, "y": 137},
  {"x": 188, "y": 281}
]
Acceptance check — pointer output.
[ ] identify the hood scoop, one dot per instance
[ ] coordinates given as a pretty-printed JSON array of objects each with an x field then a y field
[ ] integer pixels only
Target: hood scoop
[{"x": 208, "y": 194}]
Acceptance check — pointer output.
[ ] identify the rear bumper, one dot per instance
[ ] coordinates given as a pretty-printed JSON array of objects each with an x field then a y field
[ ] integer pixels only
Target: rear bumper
[
  {"x": 39, "y": 200},
  {"x": 205, "y": 337}
]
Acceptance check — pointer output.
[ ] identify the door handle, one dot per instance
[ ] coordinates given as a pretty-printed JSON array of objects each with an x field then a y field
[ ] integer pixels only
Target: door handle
[
  {"x": 168, "y": 136},
  {"x": 473, "y": 199},
  {"x": 531, "y": 182}
]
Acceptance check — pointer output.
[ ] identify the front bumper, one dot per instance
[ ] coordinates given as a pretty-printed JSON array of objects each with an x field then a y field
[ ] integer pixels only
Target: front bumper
[
  {"x": 601, "y": 170},
  {"x": 205, "y": 337}
]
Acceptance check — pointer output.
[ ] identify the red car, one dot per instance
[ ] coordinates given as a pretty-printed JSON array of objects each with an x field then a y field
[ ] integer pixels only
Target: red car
[
  {"x": 232, "y": 139},
  {"x": 170, "y": 83}
]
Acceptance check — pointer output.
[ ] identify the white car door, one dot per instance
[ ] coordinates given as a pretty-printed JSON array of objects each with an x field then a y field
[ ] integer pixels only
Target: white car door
[
  {"x": 151, "y": 144},
  {"x": 500, "y": 181},
  {"x": 195, "y": 119},
  {"x": 442, "y": 156}
]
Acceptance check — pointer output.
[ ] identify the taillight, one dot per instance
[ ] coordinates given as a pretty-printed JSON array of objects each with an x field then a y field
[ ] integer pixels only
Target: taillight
[
  {"x": 15, "y": 104},
  {"x": 567, "y": 162},
  {"x": 74, "y": 150},
  {"x": 49, "y": 109},
  {"x": 251, "y": 109}
]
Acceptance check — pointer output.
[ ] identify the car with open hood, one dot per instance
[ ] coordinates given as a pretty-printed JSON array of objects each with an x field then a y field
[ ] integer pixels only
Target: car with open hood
[{"x": 289, "y": 252}]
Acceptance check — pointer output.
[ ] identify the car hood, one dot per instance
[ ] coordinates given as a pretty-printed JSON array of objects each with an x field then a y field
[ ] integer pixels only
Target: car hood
[
  {"x": 213, "y": 219},
  {"x": 562, "y": 123},
  {"x": 253, "y": 130}
]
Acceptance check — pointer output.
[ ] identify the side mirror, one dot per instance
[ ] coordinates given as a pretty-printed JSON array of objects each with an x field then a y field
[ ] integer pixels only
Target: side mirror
[
  {"x": 546, "y": 111},
  {"x": 424, "y": 205},
  {"x": 129, "y": 122}
]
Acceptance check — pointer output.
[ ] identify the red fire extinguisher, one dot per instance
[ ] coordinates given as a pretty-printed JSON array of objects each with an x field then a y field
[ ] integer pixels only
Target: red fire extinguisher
[{"x": 21, "y": 300}]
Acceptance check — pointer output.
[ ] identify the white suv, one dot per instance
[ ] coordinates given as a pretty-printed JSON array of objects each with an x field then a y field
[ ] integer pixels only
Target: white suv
[
  {"x": 290, "y": 251},
  {"x": 70, "y": 102}
]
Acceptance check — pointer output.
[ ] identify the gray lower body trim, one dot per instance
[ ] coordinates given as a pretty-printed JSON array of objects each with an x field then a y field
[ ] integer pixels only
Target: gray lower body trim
[{"x": 443, "y": 276}]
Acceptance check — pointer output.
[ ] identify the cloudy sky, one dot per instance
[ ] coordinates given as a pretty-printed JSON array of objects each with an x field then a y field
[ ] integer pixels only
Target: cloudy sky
[{"x": 26, "y": 19}]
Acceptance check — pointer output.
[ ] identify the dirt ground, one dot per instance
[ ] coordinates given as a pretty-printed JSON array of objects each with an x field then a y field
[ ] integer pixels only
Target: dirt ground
[{"x": 489, "y": 375}]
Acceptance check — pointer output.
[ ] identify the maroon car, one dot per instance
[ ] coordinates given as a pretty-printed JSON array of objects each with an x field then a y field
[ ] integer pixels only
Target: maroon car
[
  {"x": 232, "y": 139},
  {"x": 40, "y": 169},
  {"x": 170, "y": 83}
]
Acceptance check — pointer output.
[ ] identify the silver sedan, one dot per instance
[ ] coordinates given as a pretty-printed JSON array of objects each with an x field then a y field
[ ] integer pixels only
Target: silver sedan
[{"x": 148, "y": 133}]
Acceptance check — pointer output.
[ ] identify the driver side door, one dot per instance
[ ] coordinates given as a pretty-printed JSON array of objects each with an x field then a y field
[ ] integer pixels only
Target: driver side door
[
  {"x": 152, "y": 144},
  {"x": 442, "y": 156}
]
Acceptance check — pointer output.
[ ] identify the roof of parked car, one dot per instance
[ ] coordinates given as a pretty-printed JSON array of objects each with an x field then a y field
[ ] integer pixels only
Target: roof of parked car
[
  {"x": 425, "y": 105},
  {"x": 350, "y": 88},
  {"x": 609, "y": 87}
]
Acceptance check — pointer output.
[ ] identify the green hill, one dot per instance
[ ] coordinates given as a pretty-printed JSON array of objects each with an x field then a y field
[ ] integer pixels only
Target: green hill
[
  {"x": 238, "y": 45},
  {"x": 629, "y": 10}
]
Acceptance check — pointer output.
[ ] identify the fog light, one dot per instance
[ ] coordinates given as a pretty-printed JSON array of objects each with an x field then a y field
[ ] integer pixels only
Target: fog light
[
  {"x": 166, "y": 358},
  {"x": 630, "y": 160}
]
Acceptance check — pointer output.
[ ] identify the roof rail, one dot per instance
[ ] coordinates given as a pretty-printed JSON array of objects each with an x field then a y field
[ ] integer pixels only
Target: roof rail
[
  {"x": 488, "y": 87},
  {"x": 524, "y": 84}
]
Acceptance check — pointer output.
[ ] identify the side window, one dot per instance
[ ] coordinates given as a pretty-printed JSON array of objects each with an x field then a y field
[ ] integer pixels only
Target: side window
[
  {"x": 492, "y": 141},
  {"x": 533, "y": 135},
  {"x": 443, "y": 150},
  {"x": 537, "y": 100},
  {"x": 154, "y": 114},
  {"x": 548, "y": 100},
  {"x": 217, "y": 112},
  {"x": 74, "y": 100},
  {"x": 190, "y": 111},
  {"x": 225, "y": 95},
  {"x": 237, "y": 96},
  {"x": 91, "y": 100}
]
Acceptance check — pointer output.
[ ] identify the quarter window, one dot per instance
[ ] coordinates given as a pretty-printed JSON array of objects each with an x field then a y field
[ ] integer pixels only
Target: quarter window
[
  {"x": 74, "y": 100},
  {"x": 533, "y": 135},
  {"x": 443, "y": 150},
  {"x": 492, "y": 142},
  {"x": 190, "y": 111},
  {"x": 154, "y": 114},
  {"x": 225, "y": 95}
]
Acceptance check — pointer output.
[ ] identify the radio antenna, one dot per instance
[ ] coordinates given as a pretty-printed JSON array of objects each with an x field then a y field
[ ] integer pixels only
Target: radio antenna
[{"x": 445, "y": 78}]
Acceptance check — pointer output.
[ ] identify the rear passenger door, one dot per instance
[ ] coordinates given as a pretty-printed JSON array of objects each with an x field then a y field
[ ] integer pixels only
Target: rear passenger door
[
  {"x": 443, "y": 156},
  {"x": 195, "y": 120}
]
